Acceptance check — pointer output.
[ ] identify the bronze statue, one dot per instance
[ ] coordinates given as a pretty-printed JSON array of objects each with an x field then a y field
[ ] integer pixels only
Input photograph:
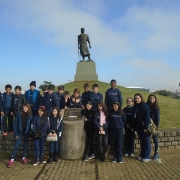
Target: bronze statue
[{"x": 82, "y": 45}]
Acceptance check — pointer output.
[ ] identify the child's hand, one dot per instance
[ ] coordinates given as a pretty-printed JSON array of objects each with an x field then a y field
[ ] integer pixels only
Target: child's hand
[
  {"x": 12, "y": 113},
  {"x": 132, "y": 129},
  {"x": 65, "y": 107},
  {"x": 78, "y": 100},
  {"x": 101, "y": 129},
  {"x": 2, "y": 113},
  {"x": 85, "y": 119},
  {"x": 17, "y": 137},
  {"x": 54, "y": 134},
  {"x": 50, "y": 134},
  {"x": 73, "y": 99},
  {"x": 127, "y": 125}
]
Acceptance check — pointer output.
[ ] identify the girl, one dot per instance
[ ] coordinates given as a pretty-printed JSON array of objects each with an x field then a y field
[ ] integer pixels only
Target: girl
[
  {"x": 22, "y": 125},
  {"x": 117, "y": 122},
  {"x": 88, "y": 115},
  {"x": 55, "y": 129},
  {"x": 40, "y": 124},
  {"x": 101, "y": 127},
  {"x": 155, "y": 116},
  {"x": 141, "y": 119},
  {"x": 129, "y": 134},
  {"x": 75, "y": 99}
]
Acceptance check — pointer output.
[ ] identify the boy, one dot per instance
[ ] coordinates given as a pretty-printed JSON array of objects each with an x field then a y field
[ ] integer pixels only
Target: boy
[
  {"x": 19, "y": 100},
  {"x": 95, "y": 97},
  {"x": 86, "y": 95},
  {"x": 44, "y": 89},
  {"x": 49, "y": 100},
  {"x": 66, "y": 99},
  {"x": 33, "y": 98},
  {"x": 76, "y": 100},
  {"x": 60, "y": 96},
  {"x": 113, "y": 95},
  {"x": 6, "y": 107}
]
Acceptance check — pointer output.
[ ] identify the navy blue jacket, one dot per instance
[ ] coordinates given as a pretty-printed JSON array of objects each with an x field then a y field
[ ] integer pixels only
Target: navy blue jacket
[
  {"x": 155, "y": 115},
  {"x": 75, "y": 104},
  {"x": 35, "y": 98},
  {"x": 113, "y": 95},
  {"x": 18, "y": 124},
  {"x": 55, "y": 124},
  {"x": 85, "y": 97},
  {"x": 117, "y": 121},
  {"x": 95, "y": 99},
  {"x": 141, "y": 112},
  {"x": 37, "y": 125},
  {"x": 49, "y": 101},
  {"x": 59, "y": 98},
  {"x": 18, "y": 102},
  {"x": 3, "y": 104},
  {"x": 128, "y": 111},
  {"x": 97, "y": 121}
]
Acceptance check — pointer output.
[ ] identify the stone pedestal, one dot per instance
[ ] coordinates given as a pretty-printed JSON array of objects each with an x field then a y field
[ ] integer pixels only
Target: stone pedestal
[
  {"x": 86, "y": 71},
  {"x": 72, "y": 141}
]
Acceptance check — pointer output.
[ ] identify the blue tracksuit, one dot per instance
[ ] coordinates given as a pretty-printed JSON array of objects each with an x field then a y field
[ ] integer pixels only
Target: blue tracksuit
[
  {"x": 113, "y": 95},
  {"x": 95, "y": 99},
  {"x": 85, "y": 97},
  {"x": 18, "y": 131},
  {"x": 56, "y": 125},
  {"x": 76, "y": 104},
  {"x": 39, "y": 124},
  {"x": 116, "y": 125},
  {"x": 141, "y": 112},
  {"x": 49, "y": 101}
]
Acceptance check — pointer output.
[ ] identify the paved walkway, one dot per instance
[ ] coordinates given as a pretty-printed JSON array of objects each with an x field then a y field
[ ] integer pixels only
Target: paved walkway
[{"x": 168, "y": 167}]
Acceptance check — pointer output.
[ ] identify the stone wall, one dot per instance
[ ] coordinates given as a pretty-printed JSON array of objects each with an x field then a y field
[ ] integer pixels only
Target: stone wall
[{"x": 168, "y": 139}]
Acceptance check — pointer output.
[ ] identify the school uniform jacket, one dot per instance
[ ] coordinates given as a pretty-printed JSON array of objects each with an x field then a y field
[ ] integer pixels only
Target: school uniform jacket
[
  {"x": 128, "y": 111},
  {"x": 86, "y": 97},
  {"x": 3, "y": 102},
  {"x": 97, "y": 121},
  {"x": 95, "y": 99},
  {"x": 75, "y": 104},
  {"x": 18, "y": 102}
]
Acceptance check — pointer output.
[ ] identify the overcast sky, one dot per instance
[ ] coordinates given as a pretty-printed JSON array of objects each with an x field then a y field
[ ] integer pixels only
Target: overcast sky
[{"x": 135, "y": 42}]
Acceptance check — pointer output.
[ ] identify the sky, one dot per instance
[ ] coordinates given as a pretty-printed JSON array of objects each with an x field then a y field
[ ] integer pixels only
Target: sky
[{"x": 135, "y": 42}]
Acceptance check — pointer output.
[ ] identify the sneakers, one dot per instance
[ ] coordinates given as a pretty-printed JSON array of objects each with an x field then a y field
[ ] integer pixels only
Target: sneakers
[
  {"x": 91, "y": 156},
  {"x": 42, "y": 161},
  {"x": 120, "y": 162},
  {"x": 140, "y": 158},
  {"x": 24, "y": 161},
  {"x": 10, "y": 164},
  {"x": 114, "y": 160},
  {"x": 146, "y": 160},
  {"x": 156, "y": 155},
  {"x": 5, "y": 133},
  {"x": 36, "y": 162},
  {"x": 126, "y": 154},
  {"x": 132, "y": 154},
  {"x": 85, "y": 158},
  {"x": 12, "y": 132}
]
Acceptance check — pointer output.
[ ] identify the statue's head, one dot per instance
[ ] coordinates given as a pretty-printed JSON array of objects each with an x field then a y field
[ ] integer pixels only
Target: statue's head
[{"x": 82, "y": 30}]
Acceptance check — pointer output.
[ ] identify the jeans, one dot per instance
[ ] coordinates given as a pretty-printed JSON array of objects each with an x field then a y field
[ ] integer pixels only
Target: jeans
[
  {"x": 54, "y": 146},
  {"x": 7, "y": 114},
  {"x": 103, "y": 142},
  {"x": 155, "y": 140},
  {"x": 39, "y": 144},
  {"x": 117, "y": 135},
  {"x": 129, "y": 141},
  {"x": 145, "y": 143},
  {"x": 17, "y": 143},
  {"x": 89, "y": 141}
]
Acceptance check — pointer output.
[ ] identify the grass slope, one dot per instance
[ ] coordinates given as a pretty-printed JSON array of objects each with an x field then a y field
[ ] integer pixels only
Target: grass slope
[{"x": 169, "y": 107}]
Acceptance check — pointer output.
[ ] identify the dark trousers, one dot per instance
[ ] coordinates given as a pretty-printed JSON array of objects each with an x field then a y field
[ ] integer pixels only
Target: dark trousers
[
  {"x": 89, "y": 141},
  {"x": 155, "y": 140},
  {"x": 129, "y": 141},
  {"x": 145, "y": 143},
  {"x": 1, "y": 124},
  {"x": 7, "y": 114},
  {"x": 117, "y": 135},
  {"x": 39, "y": 145},
  {"x": 17, "y": 143},
  {"x": 103, "y": 142},
  {"x": 54, "y": 146}
]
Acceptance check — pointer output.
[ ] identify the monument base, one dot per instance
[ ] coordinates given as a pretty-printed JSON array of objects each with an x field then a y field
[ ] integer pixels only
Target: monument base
[{"x": 86, "y": 71}]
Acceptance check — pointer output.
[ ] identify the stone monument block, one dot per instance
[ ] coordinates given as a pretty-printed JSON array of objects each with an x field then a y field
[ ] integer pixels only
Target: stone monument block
[{"x": 86, "y": 71}]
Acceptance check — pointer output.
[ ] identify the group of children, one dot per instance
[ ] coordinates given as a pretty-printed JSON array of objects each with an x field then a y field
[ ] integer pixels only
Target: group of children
[{"x": 44, "y": 113}]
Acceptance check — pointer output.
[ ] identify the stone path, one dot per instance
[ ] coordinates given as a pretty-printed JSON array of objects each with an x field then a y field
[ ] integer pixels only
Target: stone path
[{"x": 168, "y": 167}]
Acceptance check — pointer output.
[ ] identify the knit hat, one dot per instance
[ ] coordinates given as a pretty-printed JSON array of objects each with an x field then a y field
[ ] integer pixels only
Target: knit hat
[{"x": 33, "y": 83}]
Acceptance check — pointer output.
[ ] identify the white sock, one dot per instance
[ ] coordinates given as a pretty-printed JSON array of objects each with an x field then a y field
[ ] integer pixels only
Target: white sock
[
  {"x": 12, "y": 160},
  {"x": 24, "y": 158}
]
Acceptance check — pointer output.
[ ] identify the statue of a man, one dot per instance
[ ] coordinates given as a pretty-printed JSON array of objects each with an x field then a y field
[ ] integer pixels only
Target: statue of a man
[{"x": 82, "y": 45}]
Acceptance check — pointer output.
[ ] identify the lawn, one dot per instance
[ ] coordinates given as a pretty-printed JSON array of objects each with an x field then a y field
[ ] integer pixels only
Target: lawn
[{"x": 169, "y": 107}]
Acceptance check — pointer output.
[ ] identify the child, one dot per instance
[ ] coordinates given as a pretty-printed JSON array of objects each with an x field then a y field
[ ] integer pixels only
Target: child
[
  {"x": 155, "y": 116},
  {"x": 129, "y": 134},
  {"x": 19, "y": 100},
  {"x": 21, "y": 130},
  {"x": 75, "y": 99},
  {"x": 86, "y": 95},
  {"x": 49, "y": 100},
  {"x": 6, "y": 110},
  {"x": 117, "y": 122},
  {"x": 40, "y": 124},
  {"x": 113, "y": 95},
  {"x": 101, "y": 127},
  {"x": 33, "y": 97},
  {"x": 1, "y": 131},
  {"x": 88, "y": 116},
  {"x": 55, "y": 129},
  {"x": 66, "y": 99},
  {"x": 95, "y": 97},
  {"x": 44, "y": 89}
]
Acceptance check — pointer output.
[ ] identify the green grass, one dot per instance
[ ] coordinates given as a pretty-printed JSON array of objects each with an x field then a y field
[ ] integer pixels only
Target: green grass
[{"x": 169, "y": 107}]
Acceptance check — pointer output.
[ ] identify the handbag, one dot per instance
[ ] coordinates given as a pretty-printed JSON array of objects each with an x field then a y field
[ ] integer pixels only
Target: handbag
[
  {"x": 51, "y": 138},
  {"x": 38, "y": 133}
]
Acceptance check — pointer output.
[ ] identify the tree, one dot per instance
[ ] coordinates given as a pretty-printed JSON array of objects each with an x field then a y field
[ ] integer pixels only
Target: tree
[{"x": 45, "y": 83}]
